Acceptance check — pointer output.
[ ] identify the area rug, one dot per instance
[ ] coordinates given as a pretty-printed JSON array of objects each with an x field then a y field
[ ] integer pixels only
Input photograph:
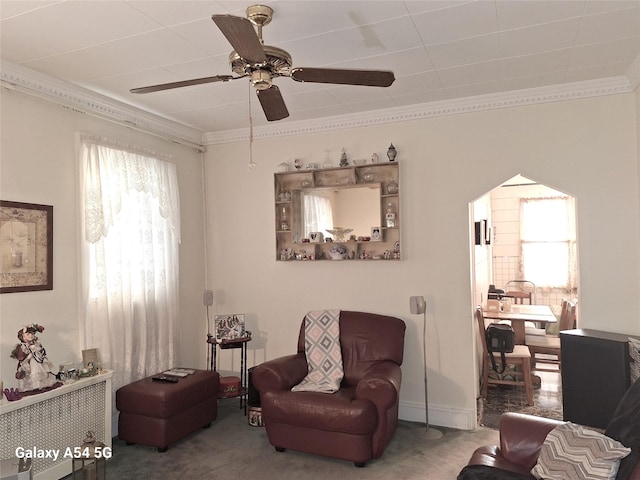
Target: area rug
[{"x": 507, "y": 398}]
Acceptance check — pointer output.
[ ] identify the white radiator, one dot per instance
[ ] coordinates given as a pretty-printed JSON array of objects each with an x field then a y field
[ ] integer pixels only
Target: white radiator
[{"x": 55, "y": 420}]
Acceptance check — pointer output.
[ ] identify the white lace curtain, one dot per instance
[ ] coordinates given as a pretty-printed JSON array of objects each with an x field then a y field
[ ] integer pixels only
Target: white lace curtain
[{"x": 131, "y": 229}]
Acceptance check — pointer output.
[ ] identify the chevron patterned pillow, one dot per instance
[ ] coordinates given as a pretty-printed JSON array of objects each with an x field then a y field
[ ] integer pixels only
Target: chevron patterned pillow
[{"x": 572, "y": 452}]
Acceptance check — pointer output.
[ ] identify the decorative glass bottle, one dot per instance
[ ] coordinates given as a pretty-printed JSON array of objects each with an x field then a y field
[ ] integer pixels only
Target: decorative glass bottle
[
  {"x": 284, "y": 222},
  {"x": 369, "y": 176},
  {"x": 392, "y": 186},
  {"x": 390, "y": 216}
]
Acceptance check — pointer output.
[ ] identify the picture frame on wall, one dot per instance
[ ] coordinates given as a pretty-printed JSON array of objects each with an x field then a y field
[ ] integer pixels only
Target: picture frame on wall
[
  {"x": 229, "y": 327},
  {"x": 26, "y": 247}
]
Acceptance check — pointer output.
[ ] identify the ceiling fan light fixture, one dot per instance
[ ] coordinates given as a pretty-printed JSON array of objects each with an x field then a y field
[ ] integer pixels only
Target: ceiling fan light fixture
[{"x": 261, "y": 79}]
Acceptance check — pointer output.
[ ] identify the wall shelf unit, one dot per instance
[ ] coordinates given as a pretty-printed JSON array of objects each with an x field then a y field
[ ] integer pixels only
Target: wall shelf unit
[{"x": 361, "y": 197}]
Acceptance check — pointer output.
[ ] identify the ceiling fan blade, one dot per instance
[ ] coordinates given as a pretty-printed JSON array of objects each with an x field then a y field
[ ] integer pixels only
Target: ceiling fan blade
[
  {"x": 183, "y": 83},
  {"x": 371, "y": 78},
  {"x": 242, "y": 37},
  {"x": 272, "y": 103}
]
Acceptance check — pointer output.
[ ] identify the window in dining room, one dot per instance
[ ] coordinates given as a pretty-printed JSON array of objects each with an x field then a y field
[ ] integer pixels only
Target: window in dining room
[{"x": 548, "y": 240}]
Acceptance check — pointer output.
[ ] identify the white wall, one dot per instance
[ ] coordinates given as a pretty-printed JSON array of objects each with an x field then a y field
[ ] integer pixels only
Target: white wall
[
  {"x": 588, "y": 147},
  {"x": 38, "y": 165}
]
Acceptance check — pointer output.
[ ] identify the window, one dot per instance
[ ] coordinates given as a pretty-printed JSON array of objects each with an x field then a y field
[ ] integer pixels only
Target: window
[
  {"x": 130, "y": 257},
  {"x": 548, "y": 241}
]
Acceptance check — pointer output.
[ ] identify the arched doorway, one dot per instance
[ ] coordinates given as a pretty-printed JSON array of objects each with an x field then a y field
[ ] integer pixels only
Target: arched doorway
[{"x": 523, "y": 230}]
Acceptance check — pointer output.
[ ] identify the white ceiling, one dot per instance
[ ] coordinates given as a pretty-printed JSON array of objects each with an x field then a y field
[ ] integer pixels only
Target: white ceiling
[{"x": 438, "y": 50}]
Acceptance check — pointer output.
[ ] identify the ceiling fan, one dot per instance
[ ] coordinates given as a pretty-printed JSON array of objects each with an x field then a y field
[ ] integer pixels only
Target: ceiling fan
[{"x": 262, "y": 63}]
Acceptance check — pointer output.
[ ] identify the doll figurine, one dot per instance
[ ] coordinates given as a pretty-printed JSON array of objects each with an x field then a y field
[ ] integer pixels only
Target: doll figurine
[{"x": 34, "y": 368}]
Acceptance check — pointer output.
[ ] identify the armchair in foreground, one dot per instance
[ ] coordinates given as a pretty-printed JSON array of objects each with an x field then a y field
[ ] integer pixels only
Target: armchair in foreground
[
  {"x": 357, "y": 422},
  {"x": 522, "y": 438}
]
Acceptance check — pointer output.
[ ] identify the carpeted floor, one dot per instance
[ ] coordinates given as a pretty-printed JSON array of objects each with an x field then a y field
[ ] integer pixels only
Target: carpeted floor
[
  {"x": 231, "y": 449},
  {"x": 547, "y": 398}
]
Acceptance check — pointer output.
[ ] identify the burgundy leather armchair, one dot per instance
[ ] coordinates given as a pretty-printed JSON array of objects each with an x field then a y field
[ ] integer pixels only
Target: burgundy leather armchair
[
  {"x": 357, "y": 422},
  {"x": 521, "y": 438}
]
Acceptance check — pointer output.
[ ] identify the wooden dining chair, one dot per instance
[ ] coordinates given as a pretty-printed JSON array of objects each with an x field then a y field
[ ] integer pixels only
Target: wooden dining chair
[
  {"x": 519, "y": 297},
  {"x": 520, "y": 291},
  {"x": 545, "y": 349},
  {"x": 519, "y": 360}
]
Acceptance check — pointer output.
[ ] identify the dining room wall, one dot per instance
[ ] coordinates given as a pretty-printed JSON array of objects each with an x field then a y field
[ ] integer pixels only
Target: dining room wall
[{"x": 585, "y": 146}]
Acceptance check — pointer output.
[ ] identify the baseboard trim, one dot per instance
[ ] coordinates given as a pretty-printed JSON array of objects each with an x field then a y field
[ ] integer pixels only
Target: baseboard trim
[{"x": 459, "y": 418}]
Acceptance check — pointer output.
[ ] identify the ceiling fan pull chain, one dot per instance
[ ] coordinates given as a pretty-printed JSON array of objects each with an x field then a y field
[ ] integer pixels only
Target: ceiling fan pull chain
[{"x": 252, "y": 164}]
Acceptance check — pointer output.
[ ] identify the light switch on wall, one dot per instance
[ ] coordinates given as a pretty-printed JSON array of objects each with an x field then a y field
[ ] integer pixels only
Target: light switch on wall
[
  {"x": 207, "y": 298},
  {"x": 417, "y": 304}
]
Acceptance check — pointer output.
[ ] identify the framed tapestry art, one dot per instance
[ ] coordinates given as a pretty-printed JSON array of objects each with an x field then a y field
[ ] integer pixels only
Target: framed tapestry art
[{"x": 26, "y": 247}]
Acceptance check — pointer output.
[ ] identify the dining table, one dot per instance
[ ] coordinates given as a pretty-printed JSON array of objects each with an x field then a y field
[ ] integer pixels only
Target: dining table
[{"x": 519, "y": 314}]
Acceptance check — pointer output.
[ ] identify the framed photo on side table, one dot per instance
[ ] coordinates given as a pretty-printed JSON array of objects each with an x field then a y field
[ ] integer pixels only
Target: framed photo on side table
[
  {"x": 26, "y": 247},
  {"x": 229, "y": 327}
]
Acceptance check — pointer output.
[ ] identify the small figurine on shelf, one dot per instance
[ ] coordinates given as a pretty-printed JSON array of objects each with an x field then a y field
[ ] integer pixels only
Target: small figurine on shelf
[
  {"x": 343, "y": 158},
  {"x": 396, "y": 250},
  {"x": 286, "y": 254},
  {"x": 34, "y": 368}
]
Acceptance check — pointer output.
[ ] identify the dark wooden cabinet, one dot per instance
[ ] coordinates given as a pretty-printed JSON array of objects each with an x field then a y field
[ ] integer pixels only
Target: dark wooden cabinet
[{"x": 595, "y": 375}]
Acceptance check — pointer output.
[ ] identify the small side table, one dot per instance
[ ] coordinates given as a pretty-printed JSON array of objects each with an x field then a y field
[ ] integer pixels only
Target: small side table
[{"x": 226, "y": 344}]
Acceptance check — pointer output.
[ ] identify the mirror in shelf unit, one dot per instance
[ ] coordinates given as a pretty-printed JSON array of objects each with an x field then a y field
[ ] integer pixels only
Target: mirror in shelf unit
[{"x": 355, "y": 213}]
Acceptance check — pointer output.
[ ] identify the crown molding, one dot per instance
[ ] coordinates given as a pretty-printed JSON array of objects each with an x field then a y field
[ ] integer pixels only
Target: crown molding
[
  {"x": 83, "y": 100},
  {"x": 80, "y": 99},
  {"x": 633, "y": 74},
  {"x": 516, "y": 98}
]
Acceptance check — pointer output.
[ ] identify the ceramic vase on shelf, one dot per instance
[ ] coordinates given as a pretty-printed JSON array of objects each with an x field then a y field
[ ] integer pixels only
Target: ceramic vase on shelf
[{"x": 392, "y": 153}]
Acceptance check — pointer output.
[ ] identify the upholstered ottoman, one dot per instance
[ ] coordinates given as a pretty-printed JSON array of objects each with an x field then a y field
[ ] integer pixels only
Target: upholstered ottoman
[{"x": 159, "y": 414}]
